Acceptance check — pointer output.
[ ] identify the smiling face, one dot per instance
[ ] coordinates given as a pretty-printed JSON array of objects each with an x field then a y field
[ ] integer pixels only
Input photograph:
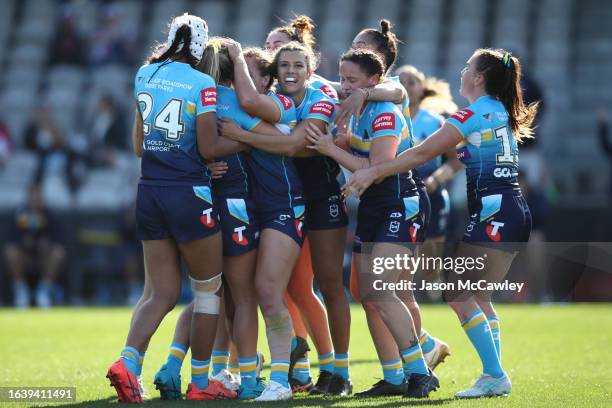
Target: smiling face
[
  {"x": 353, "y": 77},
  {"x": 275, "y": 40},
  {"x": 293, "y": 71},
  {"x": 413, "y": 85}
]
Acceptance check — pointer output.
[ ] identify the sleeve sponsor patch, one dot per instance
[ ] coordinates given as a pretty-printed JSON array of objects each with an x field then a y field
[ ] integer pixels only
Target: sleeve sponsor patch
[
  {"x": 285, "y": 101},
  {"x": 462, "y": 115},
  {"x": 329, "y": 91},
  {"x": 383, "y": 121},
  {"x": 323, "y": 108},
  {"x": 209, "y": 96}
]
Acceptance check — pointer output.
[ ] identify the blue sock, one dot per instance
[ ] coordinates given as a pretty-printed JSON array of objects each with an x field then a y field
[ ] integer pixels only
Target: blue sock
[
  {"x": 175, "y": 358},
  {"x": 496, "y": 333},
  {"x": 326, "y": 362},
  {"x": 130, "y": 357},
  {"x": 279, "y": 370},
  {"x": 301, "y": 371},
  {"x": 248, "y": 371},
  {"x": 427, "y": 343},
  {"x": 140, "y": 363},
  {"x": 392, "y": 371},
  {"x": 341, "y": 365},
  {"x": 219, "y": 360},
  {"x": 477, "y": 329},
  {"x": 199, "y": 372},
  {"x": 414, "y": 363}
]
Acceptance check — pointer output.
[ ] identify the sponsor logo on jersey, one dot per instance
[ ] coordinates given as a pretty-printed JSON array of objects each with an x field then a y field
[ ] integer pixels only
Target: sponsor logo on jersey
[
  {"x": 462, "y": 115},
  {"x": 323, "y": 108},
  {"x": 502, "y": 172},
  {"x": 285, "y": 101},
  {"x": 383, "y": 121},
  {"x": 414, "y": 230},
  {"x": 206, "y": 219},
  {"x": 329, "y": 91},
  {"x": 463, "y": 153},
  {"x": 209, "y": 96},
  {"x": 493, "y": 230},
  {"x": 239, "y": 237}
]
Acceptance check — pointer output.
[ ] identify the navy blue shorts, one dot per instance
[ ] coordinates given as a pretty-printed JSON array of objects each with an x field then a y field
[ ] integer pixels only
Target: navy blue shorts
[
  {"x": 425, "y": 205},
  {"x": 394, "y": 220},
  {"x": 290, "y": 221},
  {"x": 327, "y": 213},
  {"x": 239, "y": 224},
  {"x": 182, "y": 213},
  {"x": 499, "y": 218},
  {"x": 440, "y": 210}
]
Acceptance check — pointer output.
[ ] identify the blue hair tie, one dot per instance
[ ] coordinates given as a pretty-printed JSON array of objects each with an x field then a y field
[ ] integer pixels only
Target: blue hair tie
[{"x": 507, "y": 60}]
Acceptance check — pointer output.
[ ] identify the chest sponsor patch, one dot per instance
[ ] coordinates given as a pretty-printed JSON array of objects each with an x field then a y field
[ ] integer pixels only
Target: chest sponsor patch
[
  {"x": 285, "y": 101},
  {"x": 329, "y": 91},
  {"x": 323, "y": 108},
  {"x": 462, "y": 115}
]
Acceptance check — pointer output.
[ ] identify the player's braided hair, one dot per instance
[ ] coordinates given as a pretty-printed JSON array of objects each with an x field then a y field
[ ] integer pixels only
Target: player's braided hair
[
  {"x": 369, "y": 61},
  {"x": 162, "y": 52},
  {"x": 263, "y": 61},
  {"x": 300, "y": 30},
  {"x": 502, "y": 74},
  {"x": 385, "y": 42}
]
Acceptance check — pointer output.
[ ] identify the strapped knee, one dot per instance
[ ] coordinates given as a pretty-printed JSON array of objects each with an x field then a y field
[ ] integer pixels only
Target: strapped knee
[{"x": 205, "y": 298}]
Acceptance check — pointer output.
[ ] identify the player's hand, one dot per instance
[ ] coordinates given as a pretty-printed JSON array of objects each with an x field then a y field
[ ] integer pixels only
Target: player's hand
[
  {"x": 431, "y": 184},
  {"x": 234, "y": 49},
  {"x": 229, "y": 129},
  {"x": 323, "y": 142},
  {"x": 359, "y": 182},
  {"x": 217, "y": 169},
  {"x": 351, "y": 106}
]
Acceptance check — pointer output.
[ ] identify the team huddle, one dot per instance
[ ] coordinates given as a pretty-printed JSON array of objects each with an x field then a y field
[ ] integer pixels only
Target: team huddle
[{"x": 242, "y": 155}]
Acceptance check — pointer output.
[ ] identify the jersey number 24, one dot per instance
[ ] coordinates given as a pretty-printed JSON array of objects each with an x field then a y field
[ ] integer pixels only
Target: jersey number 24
[{"x": 167, "y": 120}]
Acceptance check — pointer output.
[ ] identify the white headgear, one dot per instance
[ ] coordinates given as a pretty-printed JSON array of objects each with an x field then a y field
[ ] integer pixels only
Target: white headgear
[{"x": 199, "y": 34}]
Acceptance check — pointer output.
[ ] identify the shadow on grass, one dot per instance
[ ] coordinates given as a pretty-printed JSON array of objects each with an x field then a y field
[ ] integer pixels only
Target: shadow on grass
[{"x": 301, "y": 401}]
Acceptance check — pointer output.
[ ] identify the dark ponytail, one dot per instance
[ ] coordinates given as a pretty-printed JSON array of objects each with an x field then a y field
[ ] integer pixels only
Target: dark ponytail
[
  {"x": 385, "y": 42},
  {"x": 502, "y": 74},
  {"x": 163, "y": 53}
]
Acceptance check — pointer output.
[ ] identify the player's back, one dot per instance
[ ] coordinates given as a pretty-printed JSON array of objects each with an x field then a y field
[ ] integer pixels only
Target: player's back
[
  {"x": 424, "y": 124},
  {"x": 170, "y": 96}
]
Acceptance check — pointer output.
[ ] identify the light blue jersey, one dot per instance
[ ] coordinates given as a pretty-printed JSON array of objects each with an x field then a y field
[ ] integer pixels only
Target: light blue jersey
[
  {"x": 424, "y": 124},
  {"x": 235, "y": 180},
  {"x": 170, "y": 96},
  {"x": 404, "y": 107},
  {"x": 380, "y": 119},
  {"x": 274, "y": 180},
  {"x": 318, "y": 82},
  {"x": 488, "y": 149}
]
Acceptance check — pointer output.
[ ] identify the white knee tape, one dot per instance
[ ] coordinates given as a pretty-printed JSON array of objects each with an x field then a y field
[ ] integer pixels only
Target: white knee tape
[{"x": 205, "y": 299}]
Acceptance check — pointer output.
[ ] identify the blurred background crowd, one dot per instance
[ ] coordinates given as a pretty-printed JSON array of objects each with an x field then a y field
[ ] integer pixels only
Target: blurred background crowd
[{"x": 68, "y": 176}]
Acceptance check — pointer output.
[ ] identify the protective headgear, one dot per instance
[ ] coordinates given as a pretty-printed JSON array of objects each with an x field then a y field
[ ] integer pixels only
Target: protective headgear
[{"x": 199, "y": 34}]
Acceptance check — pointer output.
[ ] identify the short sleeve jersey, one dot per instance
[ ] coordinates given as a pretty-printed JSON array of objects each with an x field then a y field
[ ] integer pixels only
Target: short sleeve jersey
[
  {"x": 170, "y": 96},
  {"x": 488, "y": 149},
  {"x": 319, "y": 173},
  {"x": 318, "y": 82},
  {"x": 275, "y": 183},
  {"x": 235, "y": 180},
  {"x": 380, "y": 119},
  {"x": 424, "y": 124}
]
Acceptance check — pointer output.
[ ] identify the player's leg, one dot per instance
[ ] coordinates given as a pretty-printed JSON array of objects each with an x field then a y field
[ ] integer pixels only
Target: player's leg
[
  {"x": 52, "y": 255},
  {"x": 327, "y": 247},
  {"x": 277, "y": 255},
  {"x": 15, "y": 260}
]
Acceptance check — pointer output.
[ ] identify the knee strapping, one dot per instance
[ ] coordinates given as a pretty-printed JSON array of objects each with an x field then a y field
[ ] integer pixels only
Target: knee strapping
[{"x": 205, "y": 298}]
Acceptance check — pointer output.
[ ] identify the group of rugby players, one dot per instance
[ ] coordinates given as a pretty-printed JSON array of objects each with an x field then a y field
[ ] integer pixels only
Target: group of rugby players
[{"x": 241, "y": 173}]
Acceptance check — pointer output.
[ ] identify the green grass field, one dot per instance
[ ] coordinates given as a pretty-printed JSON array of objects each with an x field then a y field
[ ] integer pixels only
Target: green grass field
[{"x": 555, "y": 355}]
